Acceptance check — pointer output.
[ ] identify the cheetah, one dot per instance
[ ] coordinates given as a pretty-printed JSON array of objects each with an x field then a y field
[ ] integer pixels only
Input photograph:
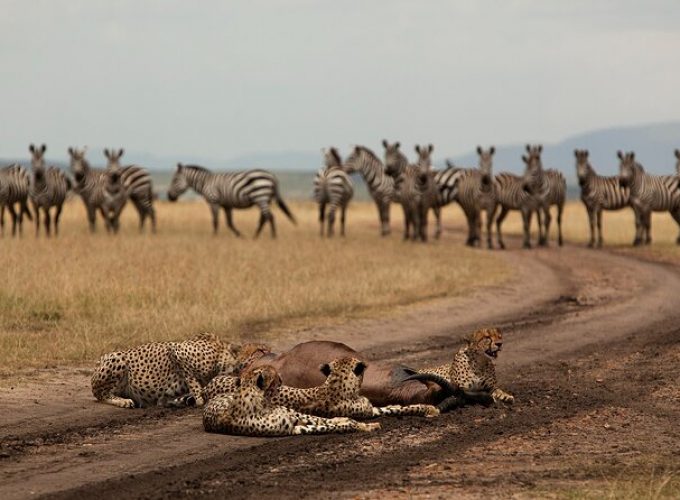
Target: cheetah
[
  {"x": 473, "y": 369},
  {"x": 338, "y": 396},
  {"x": 249, "y": 411},
  {"x": 169, "y": 374}
]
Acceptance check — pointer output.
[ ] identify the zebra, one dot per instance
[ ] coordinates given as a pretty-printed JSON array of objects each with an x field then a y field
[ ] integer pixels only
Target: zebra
[
  {"x": 598, "y": 193},
  {"x": 14, "y": 189},
  {"x": 138, "y": 185},
  {"x": 514, "y": 192},
  {"x": 89, "y": 184},
  {"x": 115, "y": 192},
  {"x": 380, "y": 184},
  {"x": 677, "y": 163},
  {"x": 415, "y": 187},
  {"x": 476, "y": 192},
  {"x": 550, "y": 188},
  {"x": 231, "y": 190},
  {"x": 648, "y": 193},
  {"x": 434, "y": 196},
  {"x": 332, "y": 187},
  {"x": 49, "y": 187}
]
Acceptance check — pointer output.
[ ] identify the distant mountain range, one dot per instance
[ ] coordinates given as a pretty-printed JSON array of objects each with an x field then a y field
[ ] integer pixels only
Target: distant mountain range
[{"x": 653, "y": 145}]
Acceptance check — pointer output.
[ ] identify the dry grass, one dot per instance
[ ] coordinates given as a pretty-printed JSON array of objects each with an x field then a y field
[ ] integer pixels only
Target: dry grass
[
  {"x": 631, "y": 485},
  {"x": 70, "y": 299}
]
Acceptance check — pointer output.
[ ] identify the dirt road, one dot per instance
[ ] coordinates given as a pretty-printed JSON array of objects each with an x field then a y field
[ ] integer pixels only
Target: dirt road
[{"x": 591, "y": 353}]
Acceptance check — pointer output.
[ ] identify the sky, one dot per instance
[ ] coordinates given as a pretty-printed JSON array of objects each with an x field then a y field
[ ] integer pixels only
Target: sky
[{"x": 220, "y": 79}]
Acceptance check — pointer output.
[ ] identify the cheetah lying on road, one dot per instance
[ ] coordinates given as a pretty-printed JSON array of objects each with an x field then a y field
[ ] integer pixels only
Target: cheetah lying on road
[
  {"x": 473, "y": 369},
  {"x": 163, "y": 373},
  {"x": 337, "y": 396},
  {"x": 249, "y": 411}
]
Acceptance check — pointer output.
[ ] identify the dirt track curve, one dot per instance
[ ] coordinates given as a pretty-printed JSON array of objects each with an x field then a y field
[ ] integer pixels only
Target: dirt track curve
[{"x": 582, "y": 327}]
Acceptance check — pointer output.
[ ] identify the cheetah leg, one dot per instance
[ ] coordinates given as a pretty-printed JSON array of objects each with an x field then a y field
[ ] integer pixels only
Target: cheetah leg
[
  {"x": 502, "y": 396},
  {"x": 110, "y": 380},
  {"x": 418, "y": 410},
  {"x": 334, "y": 426},
  {"x": 184, "y": 370},
  {"x": 177, "y": 402}
]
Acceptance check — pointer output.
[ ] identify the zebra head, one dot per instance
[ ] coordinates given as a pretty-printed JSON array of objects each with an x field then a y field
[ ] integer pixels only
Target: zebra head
[
  {"x": 395, "y": 161},
  {"x": 79, "y": 165},
  {"x": 533, "y": 172},
  {"x": 179, "y": 183},
  {"x": 677, "y": 163},
  {"x": 583, "y": 168},
  {"x": 486, "y": 164},
  {"x": 425, "y": 155},
  {"x": 38, "y": 160},
  {"x": 114, "y": 158},
  {"x": 331, "y": 158},
  {"x": 627, "y": 168}
]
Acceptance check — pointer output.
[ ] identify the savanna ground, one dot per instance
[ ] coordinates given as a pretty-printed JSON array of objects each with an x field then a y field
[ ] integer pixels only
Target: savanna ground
[{"x": 592, "y": 354}]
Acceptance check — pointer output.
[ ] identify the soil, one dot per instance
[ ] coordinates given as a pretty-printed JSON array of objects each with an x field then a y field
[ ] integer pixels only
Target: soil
[{"x": 591, "y": 353}]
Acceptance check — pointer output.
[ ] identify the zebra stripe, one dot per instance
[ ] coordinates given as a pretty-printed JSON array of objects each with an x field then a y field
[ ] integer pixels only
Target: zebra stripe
[
  {"x": 332, "y": 187},
  {"x": 598, "y": 193},
  {"x": 648, "y": 193},
  {"x": 231, "y": 190},
  {"x": 14, "y": 189},
  {"x": 89, "y": 184},
  {"x": 510, "y": 193},
  {"x": 550, "y": 187},
  {"x": 416, "y": 192},
  {"x": 49, "y": 187},
  {"x": 380, "y": 185}
]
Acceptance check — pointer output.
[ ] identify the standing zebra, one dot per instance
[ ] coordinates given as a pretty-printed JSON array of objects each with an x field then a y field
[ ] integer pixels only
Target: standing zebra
[
  {"x": 513, "y": 192},
  {"x": 90, "y": 184},
  {"x": 332, "y": 187},
  {"x": 396, "y": 164},
  {"x": 648, "y": 193},
  {"x": 414, "y": 188},
  {"x": 14, "y": 189},
  {"x": 115, "y": 191},
  {"x": 551, "y": 189},
  {"x": 138, "y": 186},
  {"x": 434, "y": 198},
  {"x": 476, "y": 192},
  {"x": 380, "y": 184},
  {"x": 598, "y": 193},
  {"x": 231, "y": 190},
  {"x": 49, "y": 187}
]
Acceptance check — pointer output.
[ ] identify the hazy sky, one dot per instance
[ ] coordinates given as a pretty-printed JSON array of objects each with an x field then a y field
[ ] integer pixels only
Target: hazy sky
[{"x": 218, "y": 79}]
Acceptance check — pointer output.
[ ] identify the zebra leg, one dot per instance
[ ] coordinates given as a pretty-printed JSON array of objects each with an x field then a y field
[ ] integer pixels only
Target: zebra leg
[
  {"x": 560, "y": 209},
  {"x": 230, "y": 222},
  {"x": 2, "y": 220},
  {"x": 648, "y": 227},
  {"x": 638, "y": 226},
  {"x": 423, "y": 223},
  {"x": 472, "y": 223},
  {"x": 490, "y": 215},
  {"x": 91, "y": 218},
  {"x": 499, "y": 223},
  {"x": 676, "y": 216},
  {"x": 48, "y": 221},
  {"x": 322, "y": 217},
  {"x": 539, "y": 216},
  {"x": 14, "y": 219},
  {"x": 547, "y": 218},
  {"x": 526, "y": 220},
  {"x": 215, "y": 211},
  {"x": 270, "y": 216},
  {"x": 407, "y": 220},
  {"x": 57, "y": 216},
  {"x": 343, "y": 209},
  {"x": 592, "y": 215},
  {"x": 331, "y": 221},
  {"x": 36, "y": 209},
  {"x": 384, "y": 210},
  {"x": 152, "y": 214},
  {"x": 599, "y": 228},
  {"x": 438, "y": 222}
]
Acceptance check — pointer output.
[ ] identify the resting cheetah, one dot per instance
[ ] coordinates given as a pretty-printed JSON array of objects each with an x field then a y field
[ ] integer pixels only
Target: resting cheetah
[
  {"x": 249, "y": 411},
  {"x": 337, "y": 396},
  {"x": 162, "y": 373},
  {"x": 473, "y": 368}
]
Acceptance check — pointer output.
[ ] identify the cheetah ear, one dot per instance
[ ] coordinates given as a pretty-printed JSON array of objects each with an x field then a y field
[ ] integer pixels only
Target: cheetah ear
[
  {"x": 260, "y": 381},
  {"x": 325, "y": 369},
  {"x": 359, "y": 369}
]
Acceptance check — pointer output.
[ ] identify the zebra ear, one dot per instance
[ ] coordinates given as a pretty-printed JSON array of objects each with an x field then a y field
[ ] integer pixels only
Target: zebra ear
[
  {"x": 525, "y": 159},
  {"x": 384, "y": 143},
  {"x": 179, "y": 167},
  {"x": 31, "y": 148},
  {"x": 43, "y": 148},
  {"x": 397, "y": 144},
  {"x": 677, "y": 154},
  {"x": 417, "y": 149},
  {"x": 107, "y": 153},
  {"x": 528, "y": 148},
  {"x": 121, "y": 151},
  {"x": 450, "y": 164},
  {"x": 620, "y": 155},
  {"x": 492, "y": 150},
  {"x": 632, "y": 155},
  {"x": 479, "y": 150},
  {"x": 586, "y": 153},
  {"x": 540, "y": 148},
  {"x": 430, "y": 148},
  {"x": 325, "y": 369},
  {"x": 70, "y": 151},
  {"x": 577, "y": 153}
]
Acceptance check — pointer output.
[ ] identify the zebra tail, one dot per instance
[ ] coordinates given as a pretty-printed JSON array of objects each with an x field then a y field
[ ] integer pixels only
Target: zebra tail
[
  {"x": 284, "y": 208},
  {"x": 26, "y": 210}
]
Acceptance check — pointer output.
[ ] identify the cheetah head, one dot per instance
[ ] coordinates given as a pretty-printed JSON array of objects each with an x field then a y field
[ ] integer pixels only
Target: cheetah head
[
  {"x": 487, "y": 340},
  {"x": 248, "y": 353},
  {"x": 344, "y": 374},
  {"x": 264, "y": 379}
]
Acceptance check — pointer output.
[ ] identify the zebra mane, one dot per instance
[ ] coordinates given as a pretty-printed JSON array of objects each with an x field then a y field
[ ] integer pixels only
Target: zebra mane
[
  {"x": 197, "y": 168},
  {"x": 370, "y": 153},
  {"x": 336, "y": 156}
]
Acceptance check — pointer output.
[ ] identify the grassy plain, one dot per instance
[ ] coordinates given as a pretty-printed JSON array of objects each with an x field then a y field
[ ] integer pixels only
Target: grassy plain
[{"x": 71, "y": 298}]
